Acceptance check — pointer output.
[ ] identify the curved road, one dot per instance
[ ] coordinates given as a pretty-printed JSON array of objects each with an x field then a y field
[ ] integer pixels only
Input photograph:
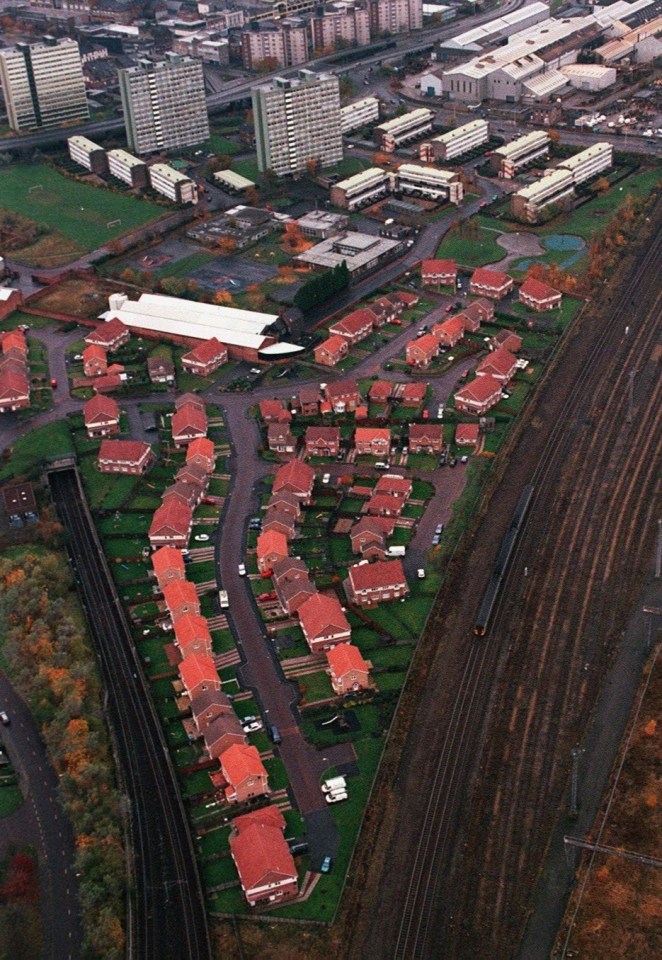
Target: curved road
[{"x": 41, "y": 822}]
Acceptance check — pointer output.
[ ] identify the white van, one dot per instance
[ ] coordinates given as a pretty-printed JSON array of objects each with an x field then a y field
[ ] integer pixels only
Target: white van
[
  {"x": 223, "y": 599},
  {"x": 334, "y": 783}
]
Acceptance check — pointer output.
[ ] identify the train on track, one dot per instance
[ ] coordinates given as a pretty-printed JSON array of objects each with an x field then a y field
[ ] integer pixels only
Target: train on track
[{"x": 502, "y": 561}]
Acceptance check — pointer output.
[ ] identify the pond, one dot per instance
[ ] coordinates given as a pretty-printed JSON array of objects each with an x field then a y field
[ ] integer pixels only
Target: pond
[{"x": 559, "y": 241}]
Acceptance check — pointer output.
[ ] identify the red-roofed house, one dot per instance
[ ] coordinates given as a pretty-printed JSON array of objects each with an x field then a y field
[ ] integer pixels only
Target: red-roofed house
[
  {"x": 384, "y": 505},
  {"x": 394, "y": 485},
  {"x": 182, "y": 399},
  {"x": 193, "y": 474},
  {"x": 371, "y": 532},
  {"x": 243, "y": 772},
  {"x": 216, "y": 722},
  {"x": 507, "y": 339},
  {"x": 205, "y": 357},
  {"x": 267, "y": 872},
  {"x": 422, "y": 351},
  {"x": 95, "y": 362},
  {"x": 160, "y": 369},
  {"x": 271, "y": 547},
  {"x": 479, "y": 396},
  {"x": 539, "y": 296},
  {"x": 280, "y": 438},
  {"x": 331, "y": 351},
  {"x": 110, "y": 335},
  {"x": 413, "y": 394},
  {"x": 192, "y": 634},
  {"x": 201, "y": 452},
  {"x": 490, "y": 283},
  {"x": 501, "y": 364},
  {"x": 273, "y": 411},
  {"x": 14, "y": 343},
  {"x": 323, "y": 622},
  {"x": 479, "y": 310},
  {"x": 425, "y": 437},
  {"x": 168, "y": 565},
  {"x": 293, "y": 586},
  {"x": 370, "y": 583},
  {"x": 285, "y": 501},
  {"x": 309, "y": 401},
  {"x": 343, "y": 395},
  {"x": 188, "y": 493},
  {"x": 348, "y": 670},
  {"x": 380, "y": 391},
  {"x": 406, "y": 298},
  {"x": 466, "y": 434},
  {"x": 124, "y": 456},
  {"x": 280, "y": 521},
  {"x": 297, "y": 478},
  {"x": 102, "y": 416},
  {"x": 171, "y": 525},
  {"x": 384, "y": 310},
  {"x": 353, "y": 328},
  {"x": 322, "y": 441},
  {"x": 188, "y": 423},
  {"x": 14, "y": 391},
  {"x": 450, "y": 331},
  {"x": 374, "y": 441},
  {"x": 198, "y": 674},
  {"x": 180, "y": 598},
  {"x": 442, "y": 272}
]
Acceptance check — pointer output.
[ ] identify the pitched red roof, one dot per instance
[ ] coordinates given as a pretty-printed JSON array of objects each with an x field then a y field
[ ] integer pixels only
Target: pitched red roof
[
  {"x": 173, "y": 515},
  {"x": 123, "y": 451},
  {"x": 439, "y": 266},
  {"x": 14, "y": 340},
  {"x": 425, "y": 344},
  {"x": 201, "y": 447},
  {"x": 198, "y": 668},
  {"x": 413, "y": 391},
  {"x": 480, "y": 389},
  {"x": 272, "y": 541},
  {"x": 165, "y": 559},
  {"x": 320, "y": 614},
  {"x": 180, "y": 593},
  {"x": 260, "y": 851},
  {"x": 13, "y": 385},
  {"x": 191, "y": 627},
  {"x": 106, "y": 333},
  {"x": 295, "y": 473},
  {"x": 344, "y": 658},
  {"x": 409, "y": 299},
  {"x": 380, "y": 391},
  {"x": 467, "y": 433},
  {"x": 334, "y": 344},
  {"x": 341, "y": 388},
  {"x": 240, "y": 761},
  {"x": 94, "y": 352},
  {"x": 374, "y": 576},
  {"x": 538, "y": 290},
  {"x": 323, "y": 434},
  {"x": 386, "y": 503},
  {"x": 425, "y": 431},
  {"x": 100, "y": 409},
  {"x": 499, "y": 363},
  {"x": 450, "y": 327},
  {"x": 189, "y": 418},
  {"x": 380, "y": 526},
  {"x": 369, "y": 434},
  {"x": 354, "y": 322},
  {"x": 393, "y": 483},
  {"x": 206, "y": 351},
  {"x": 184, "y": 398},
  {"x": 490, "y": 278},
  {"x": 271, "y": 409}
]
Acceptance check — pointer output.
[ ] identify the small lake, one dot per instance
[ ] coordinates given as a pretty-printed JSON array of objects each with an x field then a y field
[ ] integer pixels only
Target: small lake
[{"x": 575, "y": 247}]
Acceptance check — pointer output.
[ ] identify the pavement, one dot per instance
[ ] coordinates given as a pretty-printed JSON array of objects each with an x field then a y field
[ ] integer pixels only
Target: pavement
[{"x": 41, "y": 823}]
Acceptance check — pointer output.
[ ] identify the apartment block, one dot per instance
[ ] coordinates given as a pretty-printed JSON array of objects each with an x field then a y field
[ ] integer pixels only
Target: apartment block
[
  {"x": 285, "y": 43},
  {"x": 402, "y": 130},
  {"x": 590, "y": 162},
  {"x": 164, "y": 104},
  {"x": 529, "y": 203},
  {"x": 362, "y": 189},
  {"x": 347, "y": 23},
  {"x": 456, "y": 142},
  {"x": 359, "y": 114},
  {"x": 396, "y": 16},
  {"x": 508, "y": 160},
  {"x": 43, "y": 84},
  {"x": 87, "y": 154},
  {"x": 127, "y": 168},
  {"x": 172, "y": 184},
  {"x": 297, "y": 121},
  {"x": 429, "y": 183}
]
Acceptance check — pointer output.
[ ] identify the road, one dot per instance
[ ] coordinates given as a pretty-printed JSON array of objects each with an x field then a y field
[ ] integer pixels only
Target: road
[
  {"x": 167, "y": 918},
  {"x": 41, "y": 823}
]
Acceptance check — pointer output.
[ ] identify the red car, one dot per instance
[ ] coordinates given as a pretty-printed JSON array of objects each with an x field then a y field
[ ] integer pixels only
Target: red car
[{"x": 54, "y": 383}]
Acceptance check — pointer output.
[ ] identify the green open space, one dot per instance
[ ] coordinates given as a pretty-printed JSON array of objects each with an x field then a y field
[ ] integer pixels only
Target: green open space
[
  {"x": 29, "y": 452},
  {"x": 472, "y": 247},
  {"x": 11, "y": 797}
]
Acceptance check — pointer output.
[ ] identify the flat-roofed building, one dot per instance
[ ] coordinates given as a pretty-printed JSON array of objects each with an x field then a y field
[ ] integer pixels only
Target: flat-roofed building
[
  {"x": 361, "y": 252},
  {"x": 457, "y": 142},
  {"x": 322, "y": 224},
  {"x": 362, "y": 189},
  {"x": 43, "y": 84},
  {"x": 590, "y": 77},
  {"x": 164, "y": 104},
  {"x": 508, "y": 160},
  {"x": 396, "y": 16},
  {"x": 359, "y": 114},
  {"x": 87, "y": 154},
  {"x": 172, "y": 184},
  {"x": 344, "y": 22},
  {"x": 429, "y": 182},
  {"x": 529, "y": 203},
  {"x": 297, "y": 122},
  {"x": 232, "y": 182},
  {"x": 590, "y": 162},
  {"x": 402, "y": 130},
  {"x": 127, "y": 168}
]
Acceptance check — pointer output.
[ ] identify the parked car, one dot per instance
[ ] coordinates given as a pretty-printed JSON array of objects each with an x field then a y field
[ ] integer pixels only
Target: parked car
[
  {"x": 420, "y": 573},
  {"x": 241, "y": 569},
  {"x": 4, "y": 719},
  {"x": 252, "y": 727},
  {"x": 439, "y": 529},
  {"x": 53, "y": 383},
  {"x": 274, "y": 733},
  {"x": 336, "y": 797},
  {"x": 435, "y": 540},
  {"x": 326, "y": 478},
  {"x": 201, "y": 537},
  {"x": 464, "y": 459},
  {"x": 249, "y": 719},
  {"x": 452, "y": 462},
  {"x": 327, "y": 863}
]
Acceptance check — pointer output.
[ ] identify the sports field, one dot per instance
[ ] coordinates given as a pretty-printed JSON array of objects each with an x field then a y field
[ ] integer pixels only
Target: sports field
[{"x": 76, "y": 213}]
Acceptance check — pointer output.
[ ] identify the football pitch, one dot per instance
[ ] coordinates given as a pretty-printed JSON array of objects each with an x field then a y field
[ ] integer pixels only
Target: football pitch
[{"x": 86, "y": 215}]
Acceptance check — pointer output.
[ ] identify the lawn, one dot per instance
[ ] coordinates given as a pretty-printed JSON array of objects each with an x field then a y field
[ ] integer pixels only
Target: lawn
[
  {"x": 52, "y": 440},
  {"x": 10, "y": 795},
  {"x": 472, "y": 250},
  {"x": 75, "y": 211},
  {"x": 185, "y": 266}
]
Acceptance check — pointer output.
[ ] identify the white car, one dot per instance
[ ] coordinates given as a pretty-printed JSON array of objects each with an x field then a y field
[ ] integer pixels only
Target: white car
[
  {"x": 420, "y": 573},
  {"x": 252, "y": 727},
  {"x": 336, "y": 797},
  {"x": 326, "y": 478},
  {"x": 241, "y": 569},
  {"x": 439, "y": 529},
  {"x": 464, "y": 459},
  {"x": 202, "y": 537}
]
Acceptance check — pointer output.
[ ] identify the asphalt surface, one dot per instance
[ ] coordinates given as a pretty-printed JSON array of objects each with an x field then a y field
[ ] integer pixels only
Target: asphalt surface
[{"x": 41, "y": 822}]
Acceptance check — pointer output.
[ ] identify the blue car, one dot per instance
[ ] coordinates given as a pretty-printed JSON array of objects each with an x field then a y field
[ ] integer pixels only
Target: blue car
[{"x": 326, "y": 865}]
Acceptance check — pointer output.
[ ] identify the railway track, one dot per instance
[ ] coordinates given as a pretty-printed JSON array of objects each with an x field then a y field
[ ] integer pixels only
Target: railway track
[
  {"x": 469, "y": 876},
  {"x": 166, "y": 918}
]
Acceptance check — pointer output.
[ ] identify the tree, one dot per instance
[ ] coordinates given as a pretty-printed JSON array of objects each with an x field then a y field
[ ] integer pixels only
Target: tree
[
  {"x": 381, "y": 159},
  {"x": 251, "y": 196},
  {"x": 294, "y": 239},
  {"x": 554, "y": 136},
  {"x": 321, "y": 287},
  {"x": 223, "y": 298},
  {"x": 313, "y": 167},
  {"x": 226, "y": 245}
]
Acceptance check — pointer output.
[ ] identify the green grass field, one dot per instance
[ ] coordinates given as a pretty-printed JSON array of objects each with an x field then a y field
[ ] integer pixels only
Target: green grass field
[
  {"x": 472, "y": 251},
  {"x": 77, "y": 211}
]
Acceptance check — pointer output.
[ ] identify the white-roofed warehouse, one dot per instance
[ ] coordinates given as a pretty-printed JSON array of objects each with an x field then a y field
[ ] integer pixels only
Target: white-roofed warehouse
[{"x": 244, "y": 332}]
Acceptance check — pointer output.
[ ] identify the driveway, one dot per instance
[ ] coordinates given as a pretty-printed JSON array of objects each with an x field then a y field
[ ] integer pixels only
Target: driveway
[{"x": 40, "y": 822}]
